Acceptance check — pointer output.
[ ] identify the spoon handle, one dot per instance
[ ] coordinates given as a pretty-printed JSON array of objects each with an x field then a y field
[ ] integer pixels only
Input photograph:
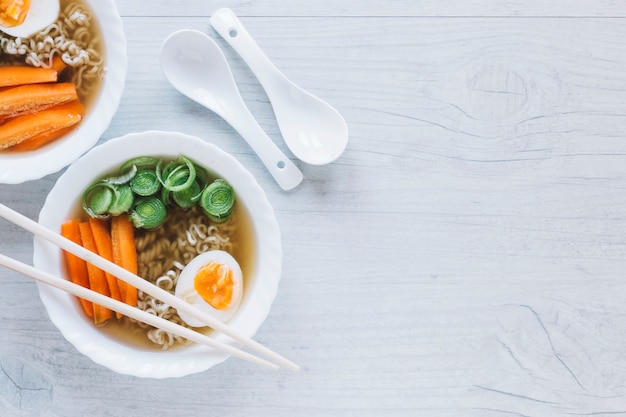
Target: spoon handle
[
  {"x": 226, "y": 23},
  {"x": 284, "y": 171}
]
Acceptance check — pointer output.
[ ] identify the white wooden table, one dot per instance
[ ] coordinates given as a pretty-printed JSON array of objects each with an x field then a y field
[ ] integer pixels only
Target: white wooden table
[{"x": 465, "y": 257}]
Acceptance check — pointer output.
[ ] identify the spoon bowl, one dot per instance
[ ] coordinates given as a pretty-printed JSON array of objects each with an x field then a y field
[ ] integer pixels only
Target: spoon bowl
[
  {"x": 313, "y": 130},
  {"x": 195, "y": 65}
]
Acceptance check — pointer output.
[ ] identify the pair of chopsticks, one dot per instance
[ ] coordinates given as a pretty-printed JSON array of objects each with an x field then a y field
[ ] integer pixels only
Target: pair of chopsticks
[{"x": 142, "y": 284}]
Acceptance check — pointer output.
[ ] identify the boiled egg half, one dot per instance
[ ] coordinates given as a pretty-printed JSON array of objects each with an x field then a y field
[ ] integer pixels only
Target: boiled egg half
[
  {"x": 213, "y": 283},
  {"x": 24, "y": 18}
]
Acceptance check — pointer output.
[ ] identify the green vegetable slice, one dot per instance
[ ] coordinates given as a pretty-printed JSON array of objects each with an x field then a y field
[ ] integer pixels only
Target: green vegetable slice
[
  {"x": 165, "y": 196},
  {"x": 124, "y": 200},
  {"x": 130, "y": 168},
  {"x": 177, "y": 176},
  {"x": 122, "y": 178},
  {"x": 145, "y": 182},
  {"x": 140, "y": 162},
  {"x": 98, "y": 198},
  {"x": 188, "y": 197},
  {"x": 148, "y": 213},
  {"x": 217, "y": 200}
]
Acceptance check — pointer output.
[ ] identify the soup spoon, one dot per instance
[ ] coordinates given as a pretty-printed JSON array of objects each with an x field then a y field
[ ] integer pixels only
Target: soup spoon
[
  {"x": 195, "y": 65},
  {"x": 313, "y": 130}
]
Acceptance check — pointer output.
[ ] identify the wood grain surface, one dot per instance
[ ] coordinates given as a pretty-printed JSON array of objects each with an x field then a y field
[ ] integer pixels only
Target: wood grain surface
[{"x": 464, "y": 257}]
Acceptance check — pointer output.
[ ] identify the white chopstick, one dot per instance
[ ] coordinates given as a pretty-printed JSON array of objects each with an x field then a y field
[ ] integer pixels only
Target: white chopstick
[
  {"x": 141, "y": 284},
  {"x": 128, "y": 310}
]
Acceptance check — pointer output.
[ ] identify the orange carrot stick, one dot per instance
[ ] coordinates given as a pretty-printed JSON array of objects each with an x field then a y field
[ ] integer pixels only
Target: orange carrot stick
[
  {"x": 38, "y": 141},
  {"x": 125, "y": 253},
  {"x": 28, "y": 126},
  {"x": 30, "y": 98},
  {"x": 58, "y": 64},
  {"x": 18, "y": 75},
  {"x": 104, "y": 244},
  {"x": 97, "y": 278},
  {"x": 76, "y": 267}
]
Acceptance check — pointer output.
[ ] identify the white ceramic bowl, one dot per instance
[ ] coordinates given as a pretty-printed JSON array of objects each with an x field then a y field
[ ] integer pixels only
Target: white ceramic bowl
[
  {"x": 65, "y": 311},
  {"x": 16, "y": 167}
]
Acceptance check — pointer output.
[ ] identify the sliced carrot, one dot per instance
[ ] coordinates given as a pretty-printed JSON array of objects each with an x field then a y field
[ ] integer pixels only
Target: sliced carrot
[
  {"x": 58, "y": 64},
  {"x": 30, "y": 125},
  {"x": 97, "y": 278},
  {"x": 104, "y": 244},
  {"x": 38, "y": 141},
  {"x": 76, "y": 267},
  {"x": 125, "y": 253},
  {"x": 30, "y": 98},
  {"x": 19, "y": 74}
]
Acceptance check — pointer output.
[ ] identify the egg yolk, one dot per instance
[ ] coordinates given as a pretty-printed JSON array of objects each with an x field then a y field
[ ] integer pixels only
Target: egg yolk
[
  {"x": 214, "y": 283},
  {"x": 13, "y": 12}
]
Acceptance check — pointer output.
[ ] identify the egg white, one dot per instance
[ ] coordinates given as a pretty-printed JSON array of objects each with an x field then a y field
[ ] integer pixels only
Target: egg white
[
  {"x": 185, "y": 287},
  {"x": 41, "y": 14}
]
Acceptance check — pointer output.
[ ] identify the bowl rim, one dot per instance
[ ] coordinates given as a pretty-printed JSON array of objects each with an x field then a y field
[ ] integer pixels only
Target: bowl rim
[
  {"x": 16, "y": 168},
  {"x": 114, "y": 354}
]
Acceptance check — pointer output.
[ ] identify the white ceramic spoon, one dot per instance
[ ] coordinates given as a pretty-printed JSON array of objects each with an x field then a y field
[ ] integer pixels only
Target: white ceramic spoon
[
  {"x": 314, "y": 131},
  {"x": 195, "y": 65}
]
